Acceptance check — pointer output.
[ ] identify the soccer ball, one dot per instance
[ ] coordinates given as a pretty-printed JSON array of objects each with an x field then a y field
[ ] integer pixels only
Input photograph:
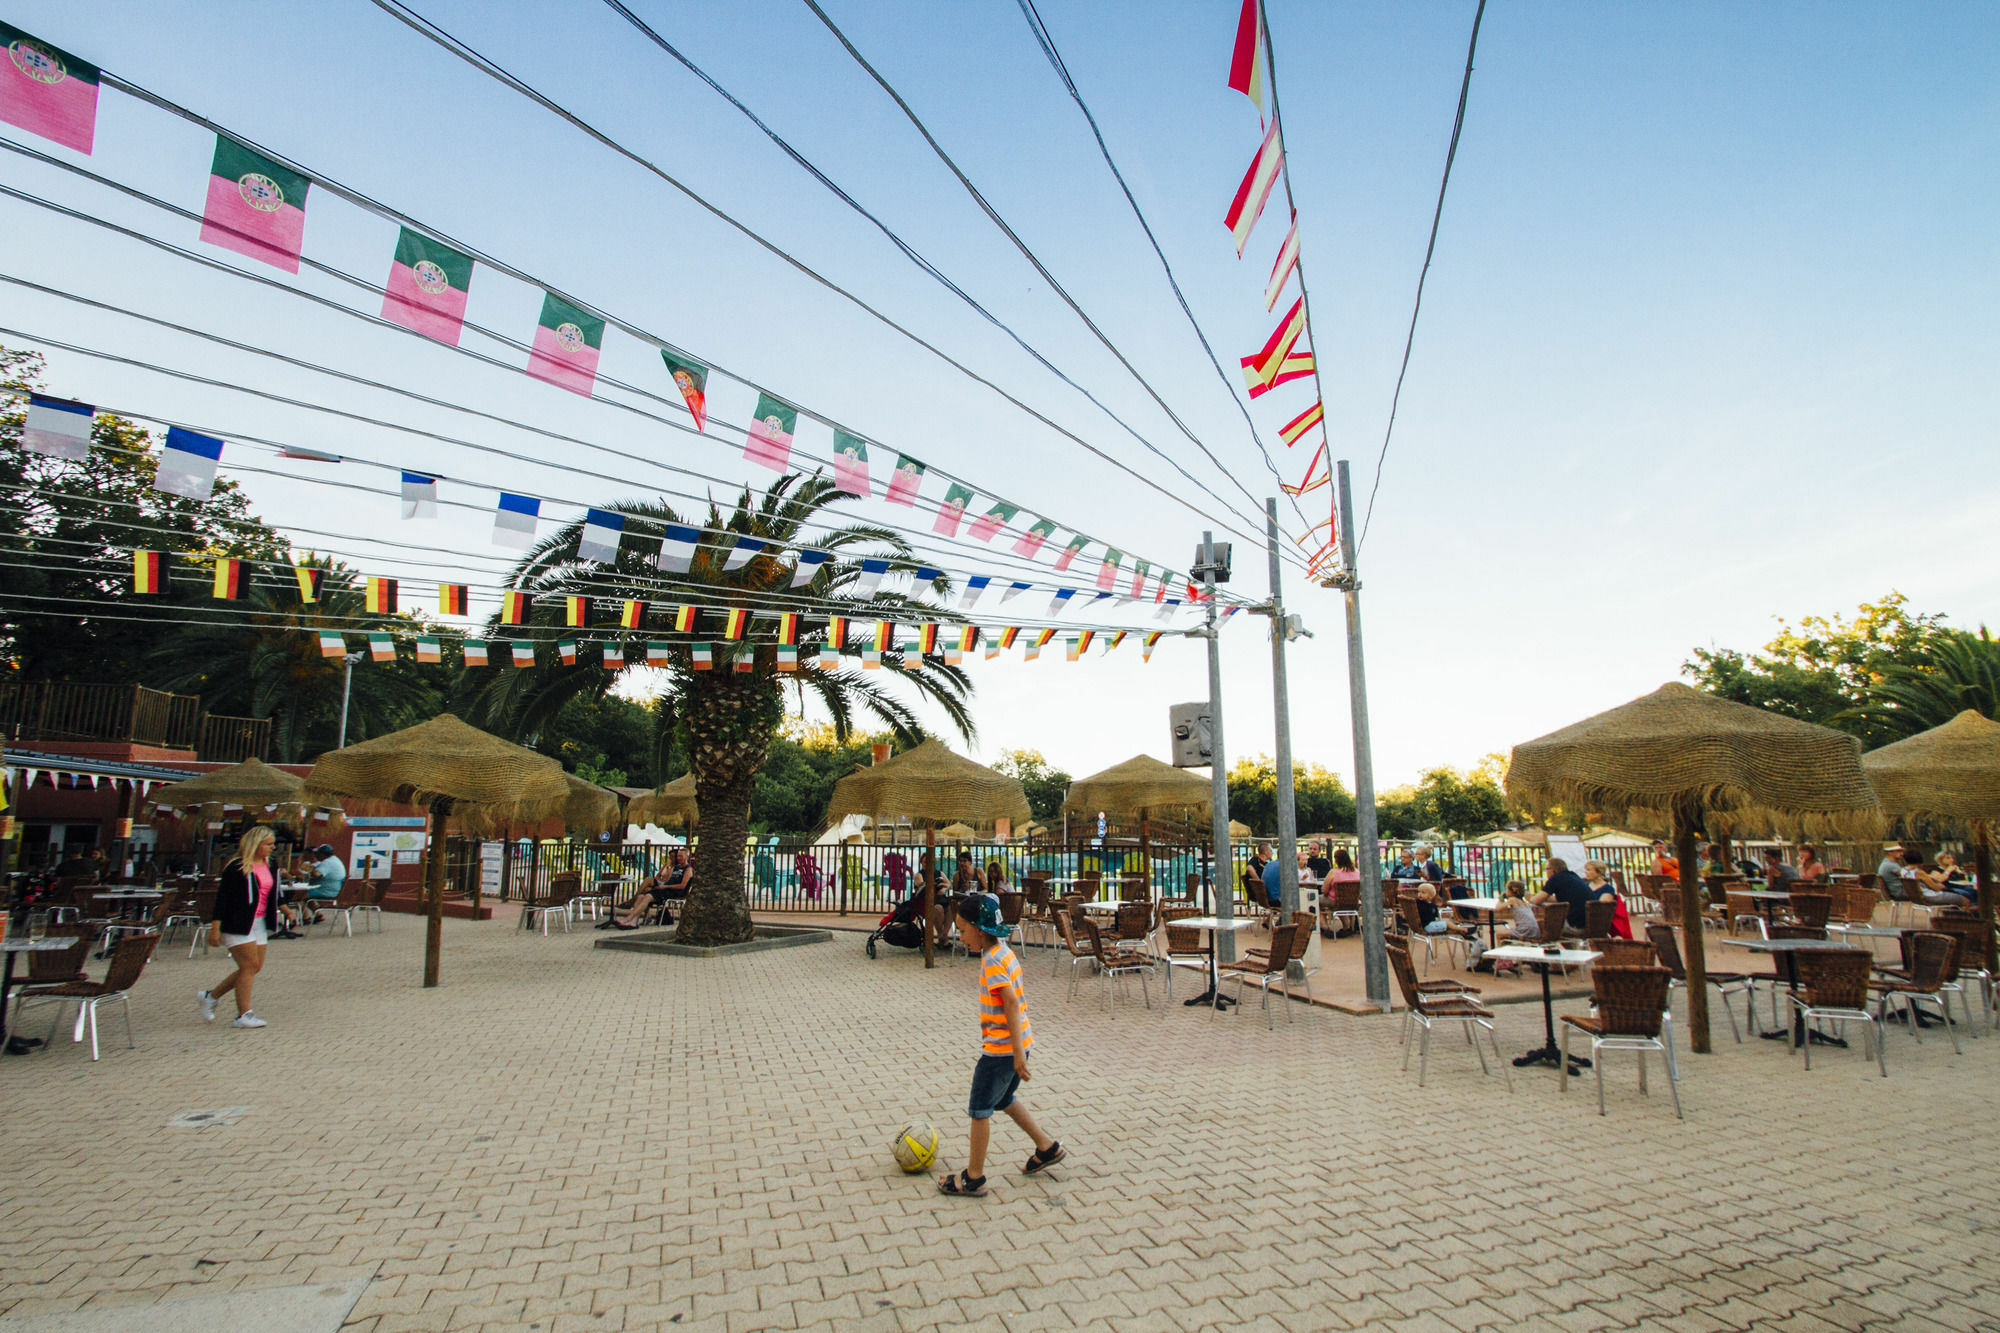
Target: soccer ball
[{"x": 916, "y": 1146}]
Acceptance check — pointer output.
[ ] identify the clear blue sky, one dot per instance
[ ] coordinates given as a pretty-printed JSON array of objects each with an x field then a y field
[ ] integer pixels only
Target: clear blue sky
[{"x": 1710, "y": 336}]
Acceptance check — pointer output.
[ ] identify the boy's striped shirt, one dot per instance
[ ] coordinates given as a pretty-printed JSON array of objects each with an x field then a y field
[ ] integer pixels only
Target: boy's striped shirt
[{"x": 999, "y": 971}]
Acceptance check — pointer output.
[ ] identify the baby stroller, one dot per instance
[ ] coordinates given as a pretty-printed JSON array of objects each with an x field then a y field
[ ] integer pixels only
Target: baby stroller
[{"x": 903, "y": 927}]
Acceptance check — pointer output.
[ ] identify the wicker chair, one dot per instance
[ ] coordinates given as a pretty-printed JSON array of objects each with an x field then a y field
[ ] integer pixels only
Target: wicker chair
[
  {"x": 1344, "y": 904},
  {"x": 1132, "y": 927},
  {"x": 193, "y": 911},
  {"x": 1667, "y": 951},
  {"x": 1631, "y": 1016},
  {"x": 1739, "y": 907},
  {"x": 1597, "y": 919},
  {"x": 1812, "y": 907},
  {"x": 153, "y": 924},
  {"x": 1264, "y": 969},
  {"x": 1933, "y": 958},
  {"x": 1856, "y": 905},
  {"x": 1412, "y": 910},
  {"x": 128, "y": 961},
  {"x": 1427, "y": 1010},
  {"x": 1076, "y": 946},
  {"x": 340, "y": 912},
  {"x": 1183, "y": 947},
  {"x": 553, "y": 902},
  {"x": 1833, "y": 985},
  {"x": 1113, "y": 962},
  {"x": 1784, "y": 966},
  {"x": 1623, "y": 952}
]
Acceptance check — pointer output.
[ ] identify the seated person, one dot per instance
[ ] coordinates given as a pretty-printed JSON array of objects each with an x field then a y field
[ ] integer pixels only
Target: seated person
[
  {"x": 1567, "y": 887},
  {"x": 1778, "y": 876},
  {"x": 1316, "y": 861},
  {"x": 329, "y": 875},
  {"x": 1342, "y": 872},
  {"x": 1889, "y": 870},
  {"x": 1405, "y": 868},
  {"x": 1273, "y": 885},
  {"x": 1947, "y": 886},
  {"x": 1420, "y": 861},
  {"x": 1602, "y": 889},
  {"x": 965, "y": 880},
  {"x": 1430, "y": 913},
  {"x": 1811, "y": 868},
  {"x": 1664, "y": 862},
  {"x": 669, "y": 884}
]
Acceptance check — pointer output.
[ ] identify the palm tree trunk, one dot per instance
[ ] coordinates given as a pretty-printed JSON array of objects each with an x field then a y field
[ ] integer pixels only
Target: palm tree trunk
[{"x": 730, "y": 719}]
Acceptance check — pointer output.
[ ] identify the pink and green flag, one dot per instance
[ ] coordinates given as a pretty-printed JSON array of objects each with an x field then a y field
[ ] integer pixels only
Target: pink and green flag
[
  {"x": 903, "y": 483},
  {"x": 567, "y": 343},
  {"x": 850, "y": 463},
  {"x": 952, "y": 512},
  {"x": 47, "y": 91},
  {"x": 770, "y": 439},
  {"x": 428, "y": 283},
  {"x": 988, "y": 524},
  {"x": 1031, "y": 541},
  {"x": 691, "y": 378},
  {"x": 255, "y": 207},
  {"x": 1071, "y": 551}
]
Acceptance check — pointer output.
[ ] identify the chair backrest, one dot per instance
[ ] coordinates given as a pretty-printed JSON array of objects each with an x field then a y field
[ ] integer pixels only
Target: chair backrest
[
  {"x": 1862, "y": 900},
  {"x": 49, "y": 966},
  {"x": 1134, "y": 919},
  {"x": 1625, "y": 953},
  {"x": 1281, "y": 947},
  {"x": 1812, "y": 908},
  {"x": 1406, "y": 973},
  {"x": 1180, "y": 939},
  {"x": 1834, "y": 978},
  {"x": 1789, "y": 932},
  {"x": 128, "y": 960},
  {"x": 1667, "y": 949},
  {"x": 1970, "y": 933},
  {"x": 169, "y": 900},
  {"x": 1670, "y": 901},
  {"x": 1552, "y": 917},
  {"x": 1933, "y": 959},
  {"x": 1347, "y": 896},
  {"x": 1407, "y": 903},
  {"x": 1307, "y": 924},
  {"x": 1252, "y": 885},
  {"x": 1597, "y": 918},
  {"x": 1010, "y": 908},
  {"x": 1066, "y": 919},
  {"x": 1193, "y": 884},
  {"x": 1739, "y": 904},
  {"x": 1630, "y": 1000}
]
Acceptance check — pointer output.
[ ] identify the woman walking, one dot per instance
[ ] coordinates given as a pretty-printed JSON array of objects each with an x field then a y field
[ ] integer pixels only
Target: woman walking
[{"x": 246, "y": 915}]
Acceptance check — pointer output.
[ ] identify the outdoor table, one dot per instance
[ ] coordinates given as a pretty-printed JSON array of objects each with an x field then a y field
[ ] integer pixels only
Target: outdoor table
[
  {"x": 1490, "y": 906},
  {"x": 1783, "y": 951},
  {"x": 1534, "y": 955},
  {"x": 1211, "y": 924},
  {"x": 1766, "y": 899},
  {"x": 10, "y": 946},
  {"x": 129, "y": 899}
]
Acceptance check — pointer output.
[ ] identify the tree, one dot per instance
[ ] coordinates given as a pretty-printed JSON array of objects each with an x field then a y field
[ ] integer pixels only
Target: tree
[
  {"x": 1955, "y": 672},
  {"x": 1045, "y": 784},
  {"x": 605, "y": 739},
  {"x": 796, "y": 782},
  {"x": 1399, "y": 812},
  {"x": 1460, "y": 804},
  {"x": 1321, "y": 802},
  {"x": 729, "y": 717}
]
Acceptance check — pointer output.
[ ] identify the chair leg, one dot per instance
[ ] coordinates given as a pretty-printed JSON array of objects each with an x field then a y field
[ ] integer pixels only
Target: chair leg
[
  {"x": 1596, "y": 1063},
  {"x": 1734, "y": 1030},
  {"x": 1642, "y": 1073},
  {"x": 1470, "y": 1024},
  {"x": 1409, "y": 1017},
  {"x": 125, "y": 1003},
  {"x": 1506, "y": 1069},
  {"x": 1673, "y": 1074},
  {"x": 1950, "y": 1030},
  {"x": 91, "y": 1007},
  {"x": 1882, "y": 1046},
  {"x": 1562, "y": 1065},
  {"x": 1424, "y": 1055}
]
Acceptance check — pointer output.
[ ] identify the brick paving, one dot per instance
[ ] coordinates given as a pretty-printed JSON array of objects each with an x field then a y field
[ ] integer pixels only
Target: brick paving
[{"x": 564, "y": 1138}]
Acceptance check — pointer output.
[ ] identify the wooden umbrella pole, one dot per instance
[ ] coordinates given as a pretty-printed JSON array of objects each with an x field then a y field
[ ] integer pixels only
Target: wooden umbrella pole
[
  {"x": 929, "y": 871},
  {"x": 434, "y": 890},
  {"x": 1693, "y": 946},
  {"x": 1982, "y": 881}
]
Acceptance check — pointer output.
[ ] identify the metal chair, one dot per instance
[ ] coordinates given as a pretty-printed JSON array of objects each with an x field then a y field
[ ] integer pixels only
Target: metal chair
[
  {"x": 1428, "y": 1010},
  {"x": 1631, "y": 1015},
  {"x": 128, "y": 961},
  {"x": 1667, "y": 951},
  {"x": 1933, "y": 958},
  {"x": 1113, "y": 963},
  {"x": 1833, "y": 986}
]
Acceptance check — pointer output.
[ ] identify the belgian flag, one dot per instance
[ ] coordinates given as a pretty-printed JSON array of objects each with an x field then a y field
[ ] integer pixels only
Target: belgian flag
[
  {"x": 733, "y": 621},
  {"x": 228, "y": 578},
  {"x": 381, "y": 596},
  {"x": 452, "y": 599},
  {"x": 684, "y": 620},
  {"x": 149, "y": 572},
  {"x": 788, "y": 628}
]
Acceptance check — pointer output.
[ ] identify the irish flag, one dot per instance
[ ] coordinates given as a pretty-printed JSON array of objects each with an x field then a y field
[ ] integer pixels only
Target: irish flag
[
  {"x": 429, "y": 649},
  {"x": 428, "y": 283},
  {"x": 614, "y": 657},
  {"x": 704, "y": 657},
  {"x": 1246, "y": 61},
  {"x": 691, "y": 378},
  {"x": 524, "y": 654},
  {"x": 952, "y": 512},
  {"x": 47, "y": 91},
  {"x": 255, "y": 207},
  {"x": 331, "y": 644},
  {"x": 567, "y": 342},
  {"x": 657, "y": 654},
  {"x": 770, "y": 439},
  {"x": 850, "y": 463},
  {"x": 566, "y": 649},
  {"x": 788, "y": 657},
  {"x": 475, "y": 652},
  {"x": 381, "y": 648},
  {"x": 1255, "y": 191}
]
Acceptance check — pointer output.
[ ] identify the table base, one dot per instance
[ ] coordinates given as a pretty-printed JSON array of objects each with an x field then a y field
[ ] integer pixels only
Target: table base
[
  {"x": 23, "y": 1045},
  {"x": 1550, "y": 1057},
  {"x": 1215, "y": 998}
]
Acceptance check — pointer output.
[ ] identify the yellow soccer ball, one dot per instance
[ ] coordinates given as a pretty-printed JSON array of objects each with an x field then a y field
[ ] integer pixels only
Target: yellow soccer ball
[{"x": 916, "y": 1146}]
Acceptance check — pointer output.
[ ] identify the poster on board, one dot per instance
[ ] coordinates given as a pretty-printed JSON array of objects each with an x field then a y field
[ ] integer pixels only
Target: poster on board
[{"x": 1568, "y": 848}]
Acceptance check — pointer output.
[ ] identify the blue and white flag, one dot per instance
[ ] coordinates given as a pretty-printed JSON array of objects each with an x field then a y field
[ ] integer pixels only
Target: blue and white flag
[
  {"x": 57, "y": 428},
  {"x": 1013, "y": 590},
  {"x": 1060, "y": 602},
  {"x": 420, "y": 495},
  {"x": 925, "y": 576},
  {"x": 742, "y": 553},
  {"x": 1167, "y": 608},
  {"x": 187, "y": 464},
  {"x": 677, "y": 549},
  {"x": 809, "y": 563},
  {"x": 514, "y": 521},
  {"x": 599, "y": 541},
  {"x": 871, "y": 577},
  {"x": 974, "y": 587}
]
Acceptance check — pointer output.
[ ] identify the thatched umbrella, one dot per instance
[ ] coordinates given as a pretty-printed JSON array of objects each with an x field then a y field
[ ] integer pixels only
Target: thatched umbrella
[
  {"x": 451, "y": 769},
  {"x": 665, "y": 805},
  {"x": 1690, "y": 758},
  {"x": 958, "y": 832},
  {"x": 254, "y": 785},
  {"x": 589, "y": 808},
  {"x": 1949, "y": 775},
  {"x": 1142, "y": 786},
  {"x": 929, "y": 783}
]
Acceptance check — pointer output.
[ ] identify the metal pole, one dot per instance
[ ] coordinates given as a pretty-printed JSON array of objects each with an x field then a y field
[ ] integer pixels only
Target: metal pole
[
  {"x": 1375, "y": 959},
  {"x": 1222, "y": 882},
  {"x": 346, "y": 683},
  {"x": 1281, "y": 716}
]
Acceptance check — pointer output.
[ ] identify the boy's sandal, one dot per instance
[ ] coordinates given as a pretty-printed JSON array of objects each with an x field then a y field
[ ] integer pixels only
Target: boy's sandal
[
  {"x": 958, "y": 1183},
  {"x": 1041, "y": 1161}
]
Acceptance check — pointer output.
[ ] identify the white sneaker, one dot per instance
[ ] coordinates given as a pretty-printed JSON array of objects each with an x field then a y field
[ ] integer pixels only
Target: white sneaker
[
  {"x": 207, "y": 1003},
  {"x": 248, "y": 1019}
]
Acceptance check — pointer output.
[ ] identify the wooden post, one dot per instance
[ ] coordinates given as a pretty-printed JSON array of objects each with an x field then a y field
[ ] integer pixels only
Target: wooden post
[
  {"x": 1982, "y": 882},
  {"x": 434, "y": 888},
  {"x": 479, "y": 864},
  {"x": 929, "y": 871},
  {"x": 1693, "y": 946}
]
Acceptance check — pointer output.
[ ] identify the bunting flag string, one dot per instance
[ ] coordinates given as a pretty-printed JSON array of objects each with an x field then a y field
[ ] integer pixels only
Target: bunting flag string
[
  {"x": 1292, "y": 430},
  {"x": 1246, "y": 60},
  {"x": 56, "y": 428},
  {"x": 1283, "y": 267},
  {"x": 1271, "y": 358},
  {"x": 1255, "y": 191},
  {"x": 428, "y": 285},
  {"x": 47, "y": 91},
  {"x": 420, "y": 495},
  {"x": 850, "y": 463},
  {"x": 1296, "y": 365}
]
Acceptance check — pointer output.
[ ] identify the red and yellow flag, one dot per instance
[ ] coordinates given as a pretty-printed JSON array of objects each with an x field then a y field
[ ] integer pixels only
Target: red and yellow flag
[
  {"x": 1271, "y": 357},
  {"x": 381, "y": 596},
  {"x": 1083, "y": 639},
  {"x": 149, "y": 571},
  {"x": 1297, "y": 365},
  {"x": 684, "y": 620},
  {"x": 968, "y": 638},
  {"x": 1042, "y": 636},
  {"x": 927, "y": 639},
  {"x": 514, "y": 608},
  {"x": 1246, "y": 61},
  {"x": 1311, "y": 482},
  {"x": 634, "y": 614},
  {"x": 733, "y": 621},
  {"x": 310, "y": 577},
  {"x": 1008, "y": 635},
  {"x": 836, "y": 633},
  {"x": 1255, "y": 191},
  {"x": 228, "y": 578},
  {"x": 576, "y": 610},
  {"x": 788, "y": 629},
  {"x": 1292, "y": 430},
  {"x": 452, "y": 599},
  {"x": 885, "y": 635}
]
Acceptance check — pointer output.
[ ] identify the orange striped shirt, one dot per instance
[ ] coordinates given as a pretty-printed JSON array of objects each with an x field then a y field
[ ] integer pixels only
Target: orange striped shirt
[{"x": 1000, "y": 973}]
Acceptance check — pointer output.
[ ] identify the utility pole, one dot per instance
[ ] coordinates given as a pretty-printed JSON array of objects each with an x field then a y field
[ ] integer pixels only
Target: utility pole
[
  {"x": 346, "y": 684},
  {"x": 1222, "y": 875},
  {"x": 1375, "y": 959},
  {"x": 1281, "y": 716}
]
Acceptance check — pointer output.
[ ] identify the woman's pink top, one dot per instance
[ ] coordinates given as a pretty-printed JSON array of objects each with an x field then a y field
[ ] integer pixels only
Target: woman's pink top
[{"x": 260, "y": 875}]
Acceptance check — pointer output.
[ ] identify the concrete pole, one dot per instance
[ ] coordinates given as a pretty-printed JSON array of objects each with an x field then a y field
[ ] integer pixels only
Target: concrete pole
[
  {"x": 1375, "y": 959},
  {"x": 1222, "y": 875},
  {"x": 1281, "y": 716},
  {"x": 346, "y": 684}
]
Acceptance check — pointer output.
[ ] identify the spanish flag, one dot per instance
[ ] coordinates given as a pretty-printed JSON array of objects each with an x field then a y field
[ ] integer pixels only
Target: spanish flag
[
  {"x": 788, "y": 630},
  {"x": 228, "y": 578},
  {"x": 381, "y": 596},
  {"x": 566, "y": 649},
  {"x": 733, "y": 621},
  {"x": 836, "y": 633},
  {"x": 310, "y": 577},
  {"x": 684, "y": 620},
  {"x": 576, "y": 610},
  {"x": 429, "y": 650},
  {"x": 149, "y": 571},
  {"x": 514, "y": 608},
  {"x": 634, "y": 614},
  {"x": 1083, "y": 639},
  {"x": 451, "y": 599},
  {"x": 1303, "y": 422}
]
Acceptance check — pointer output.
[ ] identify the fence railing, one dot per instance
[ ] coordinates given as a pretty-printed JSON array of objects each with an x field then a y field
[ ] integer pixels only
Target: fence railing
[{"x": 60, "y": 710}]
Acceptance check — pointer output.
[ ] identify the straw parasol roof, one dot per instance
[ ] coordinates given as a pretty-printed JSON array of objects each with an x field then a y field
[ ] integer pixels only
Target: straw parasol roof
[
  {"x": 1949, "y": 774},
  {"x": 1140, "y": 784},
  {"x": 1238, "y": 830},
  {"x": 1741, "y": 766},
  {"x": 672, "y": 803},
  {"x": 958, "y": 831},
  {"x": 488, "y": 781},
  {"x": 590, "y": 808},
  {"x": 253, "y": 784},
  {"x": 930, "y": 782}
]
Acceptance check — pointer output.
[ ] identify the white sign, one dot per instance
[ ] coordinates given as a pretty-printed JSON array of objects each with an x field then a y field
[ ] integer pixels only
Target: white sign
[
  {"x": 376, "y": 849},
  {"x": 491, "y": 859},
  {"x": 1568, "y": 848}
]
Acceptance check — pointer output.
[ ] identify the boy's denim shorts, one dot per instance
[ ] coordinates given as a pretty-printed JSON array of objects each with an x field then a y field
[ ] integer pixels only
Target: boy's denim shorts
[{"x": 994, "y": 1083}]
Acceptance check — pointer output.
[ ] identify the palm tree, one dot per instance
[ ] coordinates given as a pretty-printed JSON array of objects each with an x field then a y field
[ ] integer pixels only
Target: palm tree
[
  {"x": 728, "y": 716},
  {"x": 265, "y": 661},
  {"x": 1958, "y": 671}
]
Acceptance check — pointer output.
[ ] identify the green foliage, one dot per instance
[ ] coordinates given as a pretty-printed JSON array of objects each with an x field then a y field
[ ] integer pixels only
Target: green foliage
[
  {"x": 797, "y": 779},
  {"x": 1321, "y": 802},
  {"x": 605, "y": 739},
  {"x": 1955, "y": 672},
  {"x": 1461, "y": 805},
  {"x": 1399, "y": 812},
  {"x": 1045, "y": 785}
]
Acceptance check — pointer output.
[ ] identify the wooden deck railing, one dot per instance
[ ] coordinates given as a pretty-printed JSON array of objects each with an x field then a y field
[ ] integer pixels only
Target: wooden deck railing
[{"x": 57, "y": 710}]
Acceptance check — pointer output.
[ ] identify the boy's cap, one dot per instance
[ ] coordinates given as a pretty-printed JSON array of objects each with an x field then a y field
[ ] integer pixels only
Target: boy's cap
[{"x": 983, "y": 911}]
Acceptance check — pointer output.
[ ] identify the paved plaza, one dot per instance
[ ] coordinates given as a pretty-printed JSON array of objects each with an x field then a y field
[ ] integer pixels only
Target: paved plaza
[{"x": 566, "y": 1138}]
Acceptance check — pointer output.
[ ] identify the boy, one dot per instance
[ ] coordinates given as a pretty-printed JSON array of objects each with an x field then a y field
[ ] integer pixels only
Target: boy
[{"x": 1005, "y": 1038}]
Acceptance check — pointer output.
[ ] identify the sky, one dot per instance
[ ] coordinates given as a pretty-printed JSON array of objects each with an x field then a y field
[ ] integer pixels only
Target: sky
[{"x": 1709, "y": 337}]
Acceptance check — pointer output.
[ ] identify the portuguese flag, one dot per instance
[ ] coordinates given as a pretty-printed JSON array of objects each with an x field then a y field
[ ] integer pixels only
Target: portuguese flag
[
  {"x": 149, "y": 571},
  {"x": 987, "y": 525},
  {"x": 228, "y": 578},
  {"x": 428, "y": 283},
  {"x": 850, "y": 463},
  {"x": 429, "y": 649},
  {"x": 451, "y": 599},
  {"x": 770, "y": 439},
  {"x": 904, "y": 481},
  {"x": 567, "y": 342},
  {"x": 514, "y": 608},
  {"x": 255, "y": 207},
  {"x": 381, "y": 596},
  {"x": 381, "y": 648},
  {"x": 691, "y": 378},
  {"x": 310, "y": 577},
  {"x": 47, "y": 91},
  {"x": 952, "y": 511},
  {"x": 1071, "y": 551},
  {"x": 332, "y": 644},
  {"x": 475, "y": 652},
  {"x": 633, "y": 615}
]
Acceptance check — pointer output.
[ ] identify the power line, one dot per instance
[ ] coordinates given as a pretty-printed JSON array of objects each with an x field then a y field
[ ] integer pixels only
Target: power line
[
  {"x": 1437, "y": 216},
  {"x": 1048, "y": 45}
]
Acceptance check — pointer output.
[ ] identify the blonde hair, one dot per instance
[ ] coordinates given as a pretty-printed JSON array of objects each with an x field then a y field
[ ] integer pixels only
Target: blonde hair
[
  {"x": 1603, "y": 871},
  {"x": 253, "y": 838}
]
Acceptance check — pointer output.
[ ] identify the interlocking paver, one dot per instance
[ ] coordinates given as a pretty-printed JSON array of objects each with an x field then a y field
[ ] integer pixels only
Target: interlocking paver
[{"x": 584, "y": 1139}]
